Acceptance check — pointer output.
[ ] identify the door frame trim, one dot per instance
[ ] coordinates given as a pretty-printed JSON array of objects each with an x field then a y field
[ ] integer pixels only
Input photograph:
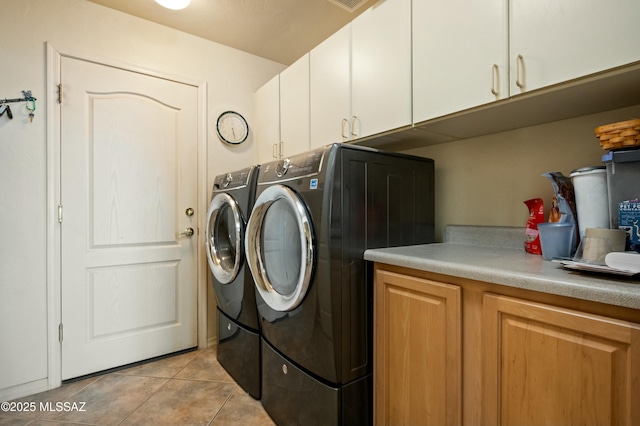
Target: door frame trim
[{"x": 53, "y": 231}]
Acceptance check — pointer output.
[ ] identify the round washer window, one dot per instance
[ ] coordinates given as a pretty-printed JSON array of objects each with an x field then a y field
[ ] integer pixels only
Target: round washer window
[{"x": 224, "y": 238}]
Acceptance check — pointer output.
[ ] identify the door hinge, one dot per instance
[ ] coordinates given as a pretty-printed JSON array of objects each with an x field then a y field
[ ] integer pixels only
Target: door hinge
[
  {"x": 60, "y": 332},
  {"x": 59, "y": 213},
  {"x": 60, "y": 93}
]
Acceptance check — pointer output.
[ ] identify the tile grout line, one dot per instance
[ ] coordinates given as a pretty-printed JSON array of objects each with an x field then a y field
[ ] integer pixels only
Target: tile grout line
[
  {"x": 147, "y": 399},
  {"x": 235, "y": 389},
  {"x": 158, "y": 390}
]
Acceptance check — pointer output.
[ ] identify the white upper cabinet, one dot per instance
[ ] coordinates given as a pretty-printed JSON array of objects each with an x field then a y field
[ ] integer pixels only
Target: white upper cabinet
[
  {"x": 294, "y": 108},
  {"x": 468, "y": 53},
  {"x": 282, "y": 113},
  {"x": 553, "y": 41},
  {"x": 330, "y": 86},
  {"x": 459, "y": 55},
  {"x": 267, "y": 132},
  {"x": 381, "y": 68},
  {"x": 407, "y": 62},
  {"x": 361, "y": 76}
]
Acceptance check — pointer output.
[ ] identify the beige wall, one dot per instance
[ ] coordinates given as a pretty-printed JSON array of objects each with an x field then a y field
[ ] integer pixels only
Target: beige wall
[{"x": 485, "y": 180}]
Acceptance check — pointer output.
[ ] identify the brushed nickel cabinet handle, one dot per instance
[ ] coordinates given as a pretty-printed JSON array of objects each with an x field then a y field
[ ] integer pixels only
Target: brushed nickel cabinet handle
[
  {"x": 354, "y": 119},
  {"x": 520, "y": 72},
  {"x": 495, "y": 80},
  {"x": 344, "y": 122}
]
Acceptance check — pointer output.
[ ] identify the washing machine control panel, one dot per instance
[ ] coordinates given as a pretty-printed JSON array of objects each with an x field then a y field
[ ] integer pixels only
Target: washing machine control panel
[
  {"x": 233, "y": 180},
  {"x": 227, "y": 180}
]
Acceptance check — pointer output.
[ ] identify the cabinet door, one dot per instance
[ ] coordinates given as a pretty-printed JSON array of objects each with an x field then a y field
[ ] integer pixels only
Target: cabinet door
[
  {"x": 294, "y": 107},
  {"x": 455, "y": 68},
  {"x": 381, "y": 68},
  {"x": 267, "y": 104},
  {"x": 330, "y": 89},
  {"x": 562, "y": 40},
  {"x": 417, "y": 355},
  {"x": 548, "y": 365}
]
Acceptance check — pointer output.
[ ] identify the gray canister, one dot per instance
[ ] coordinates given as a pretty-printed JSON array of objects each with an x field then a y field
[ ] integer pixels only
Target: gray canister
[
  {"x": 623, "y": 180},
  {"x": 592, "y": 201}
]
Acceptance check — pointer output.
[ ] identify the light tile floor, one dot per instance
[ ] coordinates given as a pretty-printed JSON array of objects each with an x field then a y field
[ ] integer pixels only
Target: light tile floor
[{"x": 187, "y": 389}]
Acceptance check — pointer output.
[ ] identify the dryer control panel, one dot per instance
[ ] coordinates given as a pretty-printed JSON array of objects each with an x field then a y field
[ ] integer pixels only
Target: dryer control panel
[{"x": 307, "y": 164}]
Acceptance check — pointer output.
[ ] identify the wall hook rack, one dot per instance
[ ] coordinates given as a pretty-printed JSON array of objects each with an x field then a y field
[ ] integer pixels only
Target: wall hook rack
[{"x": 26, "y": 97}]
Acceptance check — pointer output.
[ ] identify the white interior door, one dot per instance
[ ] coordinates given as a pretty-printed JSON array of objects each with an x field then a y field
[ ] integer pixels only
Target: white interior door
[{"x": 128, "y": 176}]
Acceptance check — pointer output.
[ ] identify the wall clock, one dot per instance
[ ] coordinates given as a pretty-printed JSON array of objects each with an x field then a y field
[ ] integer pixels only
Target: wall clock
[{"x": 232, "y": 128}]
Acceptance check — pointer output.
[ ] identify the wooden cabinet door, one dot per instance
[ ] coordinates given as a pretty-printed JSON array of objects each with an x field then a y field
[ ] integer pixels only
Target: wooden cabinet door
[
  {"x": 417, "y": 356},
  {"x": 267, "y": 104},
  {"x": 562, "y": 40},
  {"x": 454, "y": 70},
  {"x": 545, "y": 365},
  {"x": 294, "y": 107}
]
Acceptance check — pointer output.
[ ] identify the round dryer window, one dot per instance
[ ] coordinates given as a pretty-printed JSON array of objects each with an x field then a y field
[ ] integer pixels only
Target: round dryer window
[
  {"x": 282, "y": 247},
  {"x": 279, "y": 247},
  {"x": 224, "y": 238}
]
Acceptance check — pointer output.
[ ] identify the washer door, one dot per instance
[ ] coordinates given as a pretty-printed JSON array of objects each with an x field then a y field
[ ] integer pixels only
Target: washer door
[
  {"x": 279, "y": 247},
  {"x": 225, "y": 227}
]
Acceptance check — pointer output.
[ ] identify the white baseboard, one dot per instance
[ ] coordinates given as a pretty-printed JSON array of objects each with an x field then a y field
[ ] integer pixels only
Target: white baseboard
[{"x": 25, "y": 389}]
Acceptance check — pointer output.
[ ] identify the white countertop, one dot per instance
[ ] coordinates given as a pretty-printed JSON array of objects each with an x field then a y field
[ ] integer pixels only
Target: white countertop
[{"x": 511, "y": 267}]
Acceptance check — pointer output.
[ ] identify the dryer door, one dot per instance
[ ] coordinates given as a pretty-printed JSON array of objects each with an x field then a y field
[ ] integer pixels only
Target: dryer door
[
  {"x": 279, "y": 247},
  {"x": 225, "y": 227}
]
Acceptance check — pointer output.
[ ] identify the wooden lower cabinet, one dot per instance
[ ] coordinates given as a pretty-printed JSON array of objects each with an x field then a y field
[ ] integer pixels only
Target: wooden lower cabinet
[
  {"x": 451, "y": 351},
  {"x": 545, "y": 365},
  {"x": 417, "y": 356}
]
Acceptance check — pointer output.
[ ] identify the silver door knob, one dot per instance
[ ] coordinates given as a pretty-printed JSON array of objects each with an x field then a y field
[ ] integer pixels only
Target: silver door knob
[{"x": 187, "y": 232}]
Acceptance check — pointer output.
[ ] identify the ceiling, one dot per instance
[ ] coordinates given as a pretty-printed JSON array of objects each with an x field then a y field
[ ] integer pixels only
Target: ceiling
[{"x": 280, "y": 30}]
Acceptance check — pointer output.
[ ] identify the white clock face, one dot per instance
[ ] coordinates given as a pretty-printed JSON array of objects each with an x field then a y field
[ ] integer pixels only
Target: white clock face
[{"x": 232, "y": 127}]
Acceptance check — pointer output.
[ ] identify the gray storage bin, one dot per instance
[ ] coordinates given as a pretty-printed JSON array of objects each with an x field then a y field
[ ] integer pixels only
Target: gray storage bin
[{"x": 623, "y": 179}]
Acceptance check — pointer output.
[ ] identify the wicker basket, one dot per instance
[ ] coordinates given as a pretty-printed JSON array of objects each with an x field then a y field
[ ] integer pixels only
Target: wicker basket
[{"x": 622, "y": 135}]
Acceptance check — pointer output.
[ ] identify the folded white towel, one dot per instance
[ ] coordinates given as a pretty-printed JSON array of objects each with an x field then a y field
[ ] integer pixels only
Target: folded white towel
[{"x": 627, "y": 261}]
